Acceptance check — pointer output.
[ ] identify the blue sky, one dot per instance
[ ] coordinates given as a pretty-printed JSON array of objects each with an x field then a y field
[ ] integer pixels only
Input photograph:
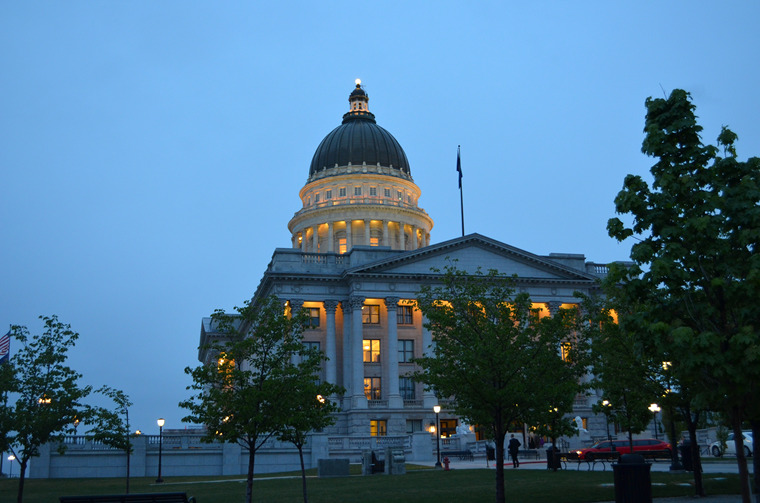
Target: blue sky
[{"x": 152, "y": 152}]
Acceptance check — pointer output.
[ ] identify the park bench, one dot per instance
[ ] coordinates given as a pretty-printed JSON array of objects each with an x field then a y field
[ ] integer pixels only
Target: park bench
[
  {"x": 130, "y": 498},
  {"x": 529, "y": 453},
  {"x": 465, "y": 455},
  {"x": 591, "y": 459},
  {"x": 655, "y": 455}
]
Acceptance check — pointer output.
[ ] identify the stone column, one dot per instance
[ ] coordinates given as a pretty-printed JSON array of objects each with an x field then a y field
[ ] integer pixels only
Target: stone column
[
  {"x": 391, "y": 355},
  {"x": 401, "y": 236},
  {"x": 553, "y": 307},
  {"x": 303, "y": 239},
  {"x": 330, "y": 347},
  {"x": 330, "y": 238},
  {"x": 428, "y": 398},
  {"x": 414, "y": 237},
  {"x": 347, "y": 367},
  {"x": 385, "y": 233},
  {"x": 315, "y": 239},
  {"x": 349, "y": 238},
  {"x": 366, "y": 231},
  {"x": 359, "y": 400}
]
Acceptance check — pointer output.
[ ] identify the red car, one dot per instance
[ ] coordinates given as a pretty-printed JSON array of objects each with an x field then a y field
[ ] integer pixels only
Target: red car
[{"x": 642, "y": 445}]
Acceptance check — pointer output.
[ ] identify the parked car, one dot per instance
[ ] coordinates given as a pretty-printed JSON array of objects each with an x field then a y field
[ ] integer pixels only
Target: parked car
[
  {"x": 641, "y": 446},
  {"x": 731, "y": 445}
]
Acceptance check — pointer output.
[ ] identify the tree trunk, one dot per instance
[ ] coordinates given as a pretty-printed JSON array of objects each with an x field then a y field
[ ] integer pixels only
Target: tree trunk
[
  {"x": 696, "y": 459},
  {"x": 21, "y": 477},
  {"x": 303, "y": 473},
  {"x": 249, "y": 480},
  {"x": 741, "y": 459},
  {"x": 755, "y": 444},
  {"x": 499, "y": 435}
]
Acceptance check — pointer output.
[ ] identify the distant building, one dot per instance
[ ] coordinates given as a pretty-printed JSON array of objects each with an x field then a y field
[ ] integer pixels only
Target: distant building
[{"x": 360, "y": 251}]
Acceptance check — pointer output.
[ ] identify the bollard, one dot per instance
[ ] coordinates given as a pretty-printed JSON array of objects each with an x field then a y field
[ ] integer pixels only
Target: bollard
[{"x": 446, "y": 462}]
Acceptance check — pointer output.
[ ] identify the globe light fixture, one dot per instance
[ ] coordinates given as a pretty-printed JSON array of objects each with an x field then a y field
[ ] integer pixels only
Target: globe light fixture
[
  {"x": 160, "y": 423},
  {"x": 437, "y": 410},
  {"x": 654, "y": 408}
]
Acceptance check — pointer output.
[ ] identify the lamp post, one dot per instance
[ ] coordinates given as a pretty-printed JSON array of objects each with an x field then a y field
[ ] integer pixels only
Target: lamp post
[
  {"x": 606, "y": 404},
  {"x": 11, "y": 458},
  {"x": 654, "y": 408},
  {"x": 160, "y": 446},
  {"x": 437, "y": 410}
]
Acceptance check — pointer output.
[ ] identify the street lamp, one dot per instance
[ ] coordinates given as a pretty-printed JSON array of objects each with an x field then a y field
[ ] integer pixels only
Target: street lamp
[
  {"x": 607, "y": 405},
  {"x": 11, "y": 458},
  {"x": 654, "y": 408},
  {"x": 437, "y": 410},
  {"x": 160, "y": 446}
]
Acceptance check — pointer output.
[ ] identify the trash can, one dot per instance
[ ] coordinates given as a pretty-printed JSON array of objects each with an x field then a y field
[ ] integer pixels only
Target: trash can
[
  {"x": 490, "y": 453},
  {"x": 685, "y": 450},
  {"x": 552, "y": 459},
  {"x": 633, "y": 481}
]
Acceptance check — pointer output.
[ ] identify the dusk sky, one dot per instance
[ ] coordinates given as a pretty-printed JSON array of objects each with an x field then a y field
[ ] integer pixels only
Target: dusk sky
[{"x": 152, "y": 152}]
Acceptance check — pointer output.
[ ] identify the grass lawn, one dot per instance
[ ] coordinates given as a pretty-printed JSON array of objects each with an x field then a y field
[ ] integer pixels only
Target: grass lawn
[{"x": 418, "y": 485}]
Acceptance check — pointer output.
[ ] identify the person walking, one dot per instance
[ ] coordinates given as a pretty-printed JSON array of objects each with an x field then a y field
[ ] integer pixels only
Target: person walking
[{"x": 513, "y": 448}]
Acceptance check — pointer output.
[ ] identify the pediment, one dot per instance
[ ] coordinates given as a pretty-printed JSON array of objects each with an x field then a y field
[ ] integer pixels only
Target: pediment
[{"x": 469, "y": 253}]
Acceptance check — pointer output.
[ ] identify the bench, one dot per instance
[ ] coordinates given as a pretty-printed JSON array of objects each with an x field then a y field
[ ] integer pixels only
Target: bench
[
  {"x": 591, "y": 460},
  {"x": 465, "y": 455},
  {"x": 526, "y": 453},
  {"x": 655, "y": 455},
  {"x": 130, "y": 498}
]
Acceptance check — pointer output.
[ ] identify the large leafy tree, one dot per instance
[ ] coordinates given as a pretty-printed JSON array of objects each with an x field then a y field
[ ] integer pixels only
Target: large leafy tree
[
  {"x": 494, "y": 356},
  {"x": 696, "y": 263},
  {"x": 41, "y": 395},
  {"x": 244, "y": 397},
  {"x": 110, "y": 425}
]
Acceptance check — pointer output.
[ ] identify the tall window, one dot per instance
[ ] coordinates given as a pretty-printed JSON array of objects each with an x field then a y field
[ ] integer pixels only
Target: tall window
[
  {"x": 405, "y": 350},
  {"x": 378, "y": 427},
  {"x": 566, "y": 352},
  {"x": 309, "y": 345},
  {"x": 371, "y": 350},
  {"x": 357, "y": 191},
  {"x": 371, "y": 314},
  {"x": 406, "y": 388},
  {"x": 316, "y": 198},
  {"x": 342, "y": 192},
  {"x": 328, "y": 194},
  {"x": 313, "y": 321},
  {"x": 413, "y": 425},
  {"x": 404, "y": 315},
  {"x": 373, "y": 191},
  {"x": 374, "y": 241},
  {"x": 387, "y": 192},
  {"x": 372, "y": 388},
  {"x": 342, "y": 248},
  {"x": 399, "y": 195}
]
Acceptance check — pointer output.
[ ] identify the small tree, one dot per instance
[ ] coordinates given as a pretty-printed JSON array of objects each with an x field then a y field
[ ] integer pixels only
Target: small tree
[
  {"x": 309, "y": 405},
  {"x": 111, "y": 426},
  {"x": 492, "y": 352},
  {"x": 46, "y": 392},
  {"x": 243, "y": 398}
]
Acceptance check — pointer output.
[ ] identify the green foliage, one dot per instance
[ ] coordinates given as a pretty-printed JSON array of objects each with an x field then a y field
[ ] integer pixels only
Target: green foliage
[
  {"x": 46, "y": 392},
  {"x": 495, "y": 357},
  {"x": 263, "y": 384}
]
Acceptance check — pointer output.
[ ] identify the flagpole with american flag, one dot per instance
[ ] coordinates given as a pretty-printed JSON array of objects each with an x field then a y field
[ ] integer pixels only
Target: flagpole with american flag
[
  {"x": 461, "y": 199},
  {"x": 5, "y": 347}
]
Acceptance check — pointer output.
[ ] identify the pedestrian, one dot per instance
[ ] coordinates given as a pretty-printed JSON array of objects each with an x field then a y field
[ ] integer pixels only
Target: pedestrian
[{"x": 513, "y": 448}]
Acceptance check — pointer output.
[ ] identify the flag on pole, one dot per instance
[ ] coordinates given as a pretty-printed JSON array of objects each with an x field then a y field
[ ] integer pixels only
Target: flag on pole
[
  {"x": 5, "y": 347},
  {"x": 459, "y": 168}
]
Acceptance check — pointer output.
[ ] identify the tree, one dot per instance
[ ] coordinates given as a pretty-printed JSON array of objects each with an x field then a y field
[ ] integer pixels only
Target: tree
[
  {"x": 46, "y": 392},
  {"x": 696, "y": 260},
  {"x": 309, "y": 405},
  {"x": 244, "y": 397},
  {"x": 111, "y": 426},
  {"x": 494, "y": 356}
]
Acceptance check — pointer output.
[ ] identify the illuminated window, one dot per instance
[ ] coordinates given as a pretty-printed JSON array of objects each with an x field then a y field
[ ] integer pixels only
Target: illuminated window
[
  {"x": 400, "y": 195},
  {"x": 413, "y": 425},
  {"x": 328, "y": 194},
  {"x": 371, "y": 350},
  {"x": 405, "y": 350},
  {"x": 313, "y": 321},
  {"x": 387, "y": 192},
  {"x": 374, "y": 241},
  {"x": 566, "y": 352},
  {"x": 404, "y": 315},
  {"x": 406, "y": 388},
  {"x": 357, "y": 191},
  {"x": 371, "y": 315},
  {"x": 378, "y": 427},
  {"x": 373, "y": 191},
  {"x": 342, "y": 192},
  {"x": 372, "y": 388},
  {"x": 342, "y": 245}
]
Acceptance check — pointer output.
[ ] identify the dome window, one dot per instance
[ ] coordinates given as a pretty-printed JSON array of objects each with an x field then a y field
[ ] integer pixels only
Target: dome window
[
  {"x": 387, "y": 192},
  {"x": 373, "y": 191},
  {"x": 342, "y": 192},
  {"x": 357, "y": 191},
  {"x": 328, "y": 194}
]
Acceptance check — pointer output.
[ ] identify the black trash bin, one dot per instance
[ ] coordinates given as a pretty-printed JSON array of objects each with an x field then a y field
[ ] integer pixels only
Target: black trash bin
[
  {"x": 633, "y": 481},
  {"x": 552, "y": 459},
  {"x": 685, "y": 450},
  {"x": 490, "y": 453}
]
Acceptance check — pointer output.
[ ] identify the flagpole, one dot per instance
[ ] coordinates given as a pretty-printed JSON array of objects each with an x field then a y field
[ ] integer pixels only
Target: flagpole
[{"x": 461, "y": 198}]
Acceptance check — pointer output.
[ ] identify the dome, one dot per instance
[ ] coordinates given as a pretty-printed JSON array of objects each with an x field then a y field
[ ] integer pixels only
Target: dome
[{"x": 359, "y": 140}]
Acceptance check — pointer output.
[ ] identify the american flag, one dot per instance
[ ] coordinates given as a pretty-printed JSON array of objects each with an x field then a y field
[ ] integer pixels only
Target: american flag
[{"x": 5, "y": 347}]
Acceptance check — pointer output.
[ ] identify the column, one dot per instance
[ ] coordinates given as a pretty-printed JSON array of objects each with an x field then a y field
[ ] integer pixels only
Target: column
[
  {"x": 401, "y": 236},
  {"x": 330, "y": 346},
  {"x": 366, "y": 231},
  {"x": 330, "y": 238},
  {"x": 295, "y": 307},
  {"x": 303, "y": 239},
  {"x": 391, "y": 355},
  {"x": 349, "y": 239},
  {"x": 385, "y": 233},
  {"x": 359, "y": 400},
  {"x": 414, "y": 237},
  {"x": 347, "y": 367},
  {"x": 315, "y": 236},
  {"x": 428, "y": 398}
]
